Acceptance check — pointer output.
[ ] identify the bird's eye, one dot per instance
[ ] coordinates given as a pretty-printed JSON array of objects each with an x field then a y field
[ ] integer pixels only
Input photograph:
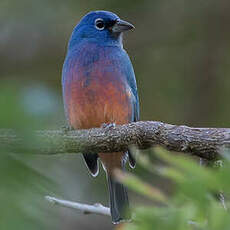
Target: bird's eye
[{"x": 99, "y": 24}]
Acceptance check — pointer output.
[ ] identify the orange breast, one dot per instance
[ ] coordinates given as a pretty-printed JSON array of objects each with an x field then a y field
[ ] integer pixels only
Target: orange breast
[{"x": 97, "y": 103}]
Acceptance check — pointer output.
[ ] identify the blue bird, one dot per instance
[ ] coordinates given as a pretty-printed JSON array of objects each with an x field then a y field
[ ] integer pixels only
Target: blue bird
[{"x": 99, "y": 87}]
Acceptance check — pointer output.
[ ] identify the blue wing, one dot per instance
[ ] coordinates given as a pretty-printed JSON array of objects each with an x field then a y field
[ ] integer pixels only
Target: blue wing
[
  {"x": 127, "y": 67},
  {"x": 130, "y": 76}
]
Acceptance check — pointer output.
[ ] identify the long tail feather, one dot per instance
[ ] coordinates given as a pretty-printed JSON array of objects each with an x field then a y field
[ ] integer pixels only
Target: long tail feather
[{"x": 119, "y": 203}]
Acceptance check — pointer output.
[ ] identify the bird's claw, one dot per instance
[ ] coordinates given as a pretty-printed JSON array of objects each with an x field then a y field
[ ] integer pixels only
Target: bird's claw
[
  {"x": 67, "y": 128},
  {"x": 108, "y": 126}
]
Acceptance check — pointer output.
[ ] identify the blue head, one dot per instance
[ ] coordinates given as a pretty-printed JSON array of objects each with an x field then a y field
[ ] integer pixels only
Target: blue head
[{"x": 103, "y": 27}]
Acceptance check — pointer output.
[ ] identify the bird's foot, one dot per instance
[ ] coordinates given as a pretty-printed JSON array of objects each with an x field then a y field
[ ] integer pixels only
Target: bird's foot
[
  {"x": 67, "y": 128},
  {"x": 108, "y": 126}
]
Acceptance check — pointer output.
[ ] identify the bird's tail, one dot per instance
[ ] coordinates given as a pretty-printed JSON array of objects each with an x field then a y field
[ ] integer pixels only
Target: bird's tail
[{"x": 119, "y": 202}]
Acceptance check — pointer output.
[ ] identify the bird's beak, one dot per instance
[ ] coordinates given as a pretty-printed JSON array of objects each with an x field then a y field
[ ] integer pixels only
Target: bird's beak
[{"x": 121, "y": 26}]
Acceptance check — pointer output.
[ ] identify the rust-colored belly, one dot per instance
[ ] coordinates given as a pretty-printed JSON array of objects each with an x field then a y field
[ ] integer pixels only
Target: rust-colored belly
[{"x": 97, "y": 104}]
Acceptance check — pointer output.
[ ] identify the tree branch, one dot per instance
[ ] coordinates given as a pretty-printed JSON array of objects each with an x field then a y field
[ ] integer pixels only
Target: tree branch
[
  {"x": 85, "y": 208},
  {"x": 206, "y": 143}
]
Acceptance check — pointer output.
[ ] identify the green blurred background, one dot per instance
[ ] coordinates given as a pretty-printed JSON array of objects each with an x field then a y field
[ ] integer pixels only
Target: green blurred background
[{"x": 181, "y": 55}]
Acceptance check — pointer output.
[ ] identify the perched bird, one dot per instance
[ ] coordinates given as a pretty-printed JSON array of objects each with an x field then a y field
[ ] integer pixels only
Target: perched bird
[{"x": 99, "y": 87}]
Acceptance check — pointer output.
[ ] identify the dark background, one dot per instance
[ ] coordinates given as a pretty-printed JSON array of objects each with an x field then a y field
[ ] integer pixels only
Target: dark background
[{"x": 180, "y": 52}]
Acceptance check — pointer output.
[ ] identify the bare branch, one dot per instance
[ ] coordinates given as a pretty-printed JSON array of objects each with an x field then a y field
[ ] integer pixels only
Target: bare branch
[
  {"x": 85, "y": 208},
  {"x": 97, "y": 208},
  {"x": 206, "y": 143}
]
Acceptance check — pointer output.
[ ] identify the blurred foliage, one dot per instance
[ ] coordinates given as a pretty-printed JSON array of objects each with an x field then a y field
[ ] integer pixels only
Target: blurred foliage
[
  {"x": 22, "y": 186},
  {"x": 193, "y": 204},
  {"x": 21, "y": 196}
]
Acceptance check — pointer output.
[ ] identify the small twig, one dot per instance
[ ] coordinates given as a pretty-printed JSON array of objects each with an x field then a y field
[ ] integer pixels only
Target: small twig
[{"x": 84, "y": 208}]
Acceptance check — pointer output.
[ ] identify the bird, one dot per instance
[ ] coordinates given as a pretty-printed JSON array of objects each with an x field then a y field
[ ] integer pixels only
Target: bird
[{"x": 99, "y": 88}]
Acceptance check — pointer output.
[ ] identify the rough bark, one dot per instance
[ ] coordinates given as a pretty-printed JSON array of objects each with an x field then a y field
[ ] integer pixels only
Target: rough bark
[{"x": 206, "y": 143}]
